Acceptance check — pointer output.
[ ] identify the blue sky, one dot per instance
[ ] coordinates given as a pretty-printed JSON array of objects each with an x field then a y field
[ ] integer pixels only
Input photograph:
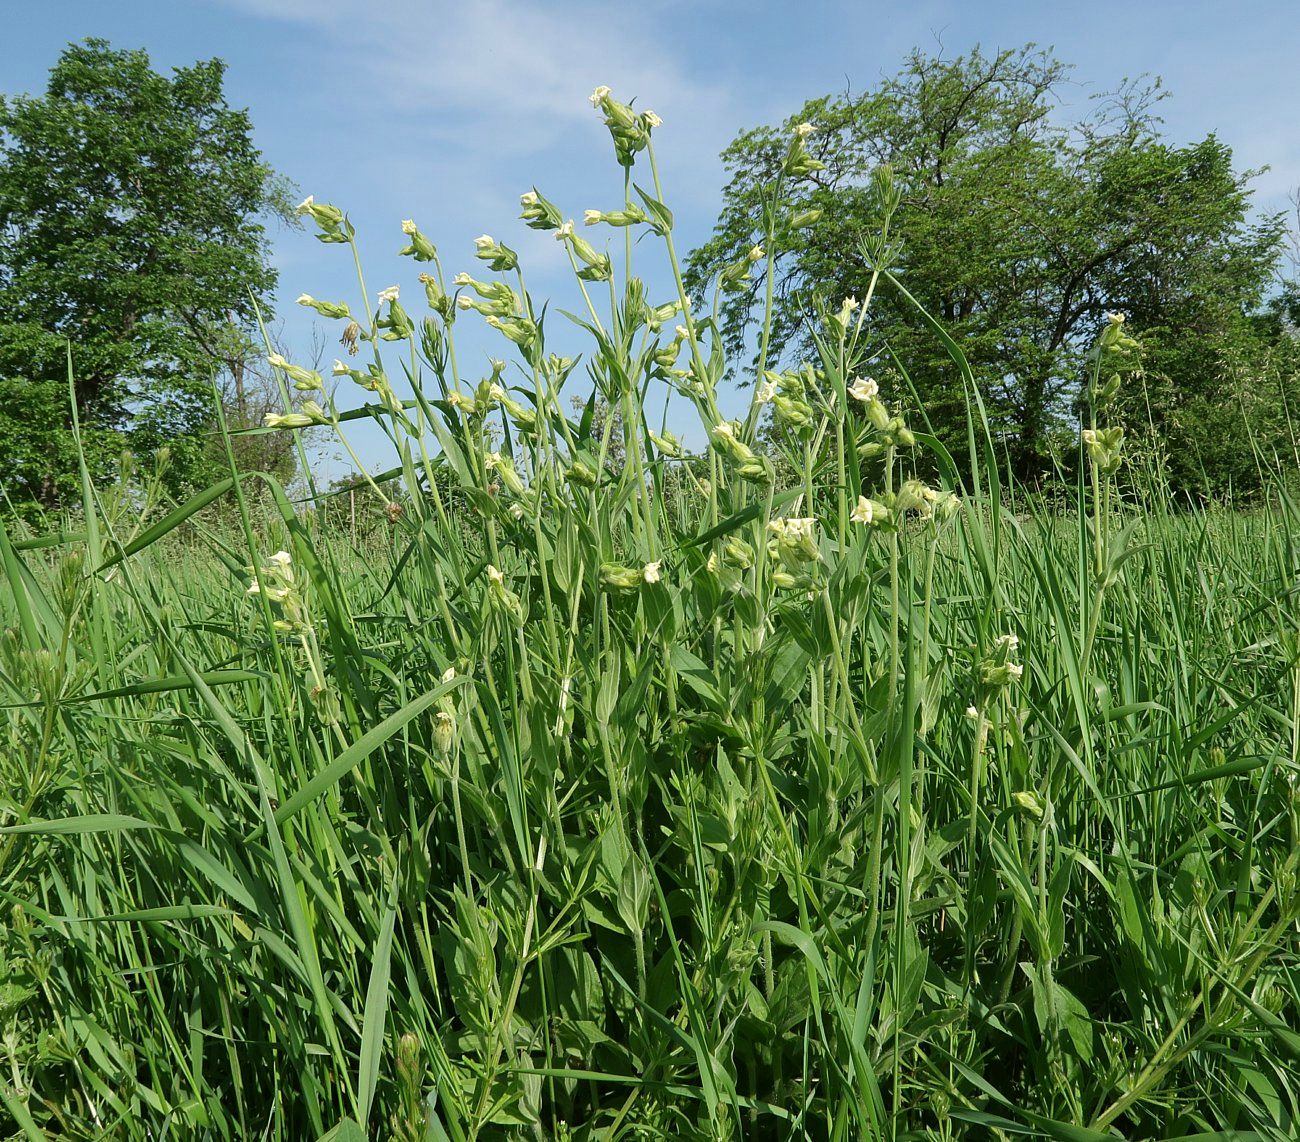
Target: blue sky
[{"x": 446, "y": 112}]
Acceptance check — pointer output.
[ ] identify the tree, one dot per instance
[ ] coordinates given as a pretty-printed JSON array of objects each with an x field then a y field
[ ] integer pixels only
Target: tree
[
  {"x": 132, "y": 209},
  {"x": 1016, "y": 232}
]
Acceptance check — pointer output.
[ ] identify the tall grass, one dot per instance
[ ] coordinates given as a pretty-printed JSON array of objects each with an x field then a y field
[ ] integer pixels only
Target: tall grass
[{"x": 658, "y": 799}]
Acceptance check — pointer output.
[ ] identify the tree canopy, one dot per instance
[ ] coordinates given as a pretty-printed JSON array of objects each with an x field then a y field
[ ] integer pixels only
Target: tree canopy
[
  {"x": 132, "y": 228},
  {"x": 1016, "y": 230}
]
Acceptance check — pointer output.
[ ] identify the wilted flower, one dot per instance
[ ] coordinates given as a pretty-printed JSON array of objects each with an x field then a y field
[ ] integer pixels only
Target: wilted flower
[
  {"x": 599, "y": 96},
  {"x": 650, "y": 572},
  {"x": 390, "y": 294},
  {"x": 651, "y": 120}
]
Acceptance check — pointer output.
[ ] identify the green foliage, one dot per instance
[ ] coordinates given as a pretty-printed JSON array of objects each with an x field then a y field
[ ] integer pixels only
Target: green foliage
[
  {"x": 1019, "y": 234},
  {"x": 130, "y": 226},
  {"x": 662, "y": 799}
]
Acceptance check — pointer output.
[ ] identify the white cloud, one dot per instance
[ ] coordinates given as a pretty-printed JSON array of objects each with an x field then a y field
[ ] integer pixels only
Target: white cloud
[{"x": 501, "y": 79}]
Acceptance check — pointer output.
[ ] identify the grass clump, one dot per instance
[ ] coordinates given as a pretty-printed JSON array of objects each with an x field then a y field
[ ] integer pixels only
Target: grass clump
[{"x": 660, "y": 798}]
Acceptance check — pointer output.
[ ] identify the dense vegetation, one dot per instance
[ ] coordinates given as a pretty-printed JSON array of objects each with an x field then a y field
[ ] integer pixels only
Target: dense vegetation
[{"x": 652, "y": 800}]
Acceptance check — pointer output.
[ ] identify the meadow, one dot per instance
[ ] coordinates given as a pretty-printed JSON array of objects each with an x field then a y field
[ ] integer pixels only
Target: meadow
[{"x": 826, "y": 789}]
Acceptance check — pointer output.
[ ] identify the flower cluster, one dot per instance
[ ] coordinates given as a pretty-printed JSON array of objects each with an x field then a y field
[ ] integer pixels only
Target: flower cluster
[
  {"x": 1000, "y": 669},
  {"x": 629, "y": 130},
  {"x": 798, "y": 161}
]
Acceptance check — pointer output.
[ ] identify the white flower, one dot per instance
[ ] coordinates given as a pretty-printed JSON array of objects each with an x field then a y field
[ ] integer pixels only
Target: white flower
[
  {"x": 1015, "y": 671},
  {"x": 277, "y": 360},
  {"x": 650, "y": 572},
  {"x": 800, "y": 527},
  {"x": 766, "y": 391},
  {"x": 804, "y": 130},
  {"x": 528, "y": 198},
  {"x": 724, "y": 431},
  {"x": 306, "y": 204},
  {"x": 389, "y": 294},
  {"x": 484, "y": 241},
  {"x": 755, "y": 252},
  {"x": 565, "y": 230},
  {"x": 462, "y": 279},
  {"x": 305, "y": 299},
  {"x": 496, "y": 392},
  {"x": 492, "y": 460},
  {"x": 463, "y": 302},
  {"x": 495, "y": 577},
  {"x": 865, "y": 512},
  {"x": 864, "y": 389},
  {"x": 652, "y": 120},
  {"x": 712, "y": 565},
  {"x": 282, "y": 560},
  {"x": 1010, "y": 642},
  {"x": 516, "y": 511},
  {"x": 599, "y": 96},
  {"x": 591, "y": 217},
  {"x": 682, "y": 332},
  {"x": 340, "y": 369},
  {"x": 1115, "y": 318},
  {"x": 972, "y": 713},
  {"x": 850, "y": 303}
]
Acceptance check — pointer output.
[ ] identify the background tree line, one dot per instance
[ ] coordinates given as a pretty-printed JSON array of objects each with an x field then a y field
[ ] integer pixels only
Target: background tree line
[
  {"x": 133, "y": 226},
  {"x": 1020, "y": 233}
]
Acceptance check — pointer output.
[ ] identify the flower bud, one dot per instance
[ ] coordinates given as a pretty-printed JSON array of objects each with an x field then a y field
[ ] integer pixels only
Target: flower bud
[
  {"x": 668, "y": 444},
  {"x": 325, "y": 308},
  {"x": 498, "y": 257},
  {"x": 305, "y": 380},
  {"x": 287, "y": 420},
  {"x": 1028, "y": 804},
  {"x": 618, "y": 578},
  {"x": 582, "y": 474},
  {"x": 538, "y": 212},
  {"x": 419, "y": 247}
]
